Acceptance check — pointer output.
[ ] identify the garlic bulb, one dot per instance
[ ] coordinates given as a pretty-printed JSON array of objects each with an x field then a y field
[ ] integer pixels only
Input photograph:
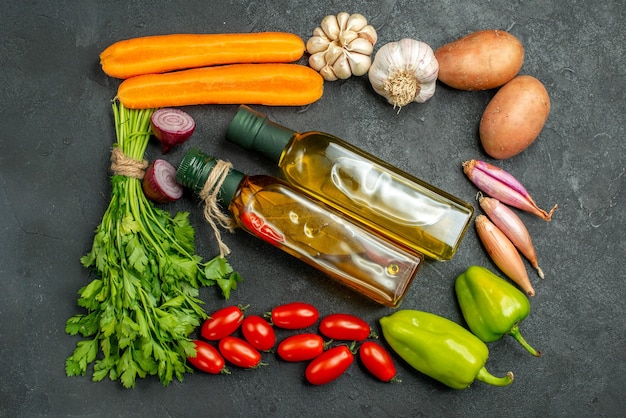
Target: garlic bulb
[
  {"x": 404, "y": 72},
  {"x": 342, "y": 46}
]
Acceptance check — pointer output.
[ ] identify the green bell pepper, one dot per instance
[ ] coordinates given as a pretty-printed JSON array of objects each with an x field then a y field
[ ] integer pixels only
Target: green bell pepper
[
  {"x": 439, "y": 348},
  {"x": 491, "y": 306}
]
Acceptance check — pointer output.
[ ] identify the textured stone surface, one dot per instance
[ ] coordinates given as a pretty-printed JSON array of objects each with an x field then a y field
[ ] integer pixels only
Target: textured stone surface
[{"x": 57, "y": 133}]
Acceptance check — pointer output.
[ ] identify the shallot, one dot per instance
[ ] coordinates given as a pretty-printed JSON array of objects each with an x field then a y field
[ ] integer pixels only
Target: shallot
[
  {"x": 159, "y": 182},
  {"x": 512, "y": 226},
  {"x": 503, "y": 253},
  {"x": 171, "y": 127},
  {"x": 501, "y": 185}
]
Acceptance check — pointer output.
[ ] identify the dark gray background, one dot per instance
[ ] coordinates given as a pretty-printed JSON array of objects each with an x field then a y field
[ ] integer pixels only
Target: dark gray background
[{"x": 54, "y": 187}]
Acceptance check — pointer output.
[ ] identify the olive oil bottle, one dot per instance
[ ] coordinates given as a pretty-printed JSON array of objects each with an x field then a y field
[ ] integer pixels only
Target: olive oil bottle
[
  {"x": 394, "y": 203},
  {"x": 310, "y": 230}
]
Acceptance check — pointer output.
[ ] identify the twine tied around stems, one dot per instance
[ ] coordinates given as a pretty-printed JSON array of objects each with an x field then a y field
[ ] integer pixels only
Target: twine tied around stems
[
  {"x": 122, "y": 165},
  {"x": 212, "y": 212}
]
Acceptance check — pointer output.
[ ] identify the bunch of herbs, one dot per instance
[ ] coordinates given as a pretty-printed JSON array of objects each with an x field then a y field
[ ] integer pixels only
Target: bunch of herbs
[{"x": 143, "y": 304}]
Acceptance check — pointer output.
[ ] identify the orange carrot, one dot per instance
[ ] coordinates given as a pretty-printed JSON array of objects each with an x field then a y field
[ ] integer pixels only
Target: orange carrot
[
  {"x": 264, "y": 84},
  {"x": 162, "y": 53}
]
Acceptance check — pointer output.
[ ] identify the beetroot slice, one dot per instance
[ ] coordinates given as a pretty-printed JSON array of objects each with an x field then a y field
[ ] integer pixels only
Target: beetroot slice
[
  {"x": 159, "y": 182},
  {"x": 171, "y": 127}
]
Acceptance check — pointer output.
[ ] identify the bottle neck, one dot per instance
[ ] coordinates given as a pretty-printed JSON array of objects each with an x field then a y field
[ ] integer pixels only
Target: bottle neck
[
  {"x": 254, "y": 131},
  {"x": 229, "y": 187},
  {"x": 272, "y": 140},
  {"x": 195, "y": 169}
]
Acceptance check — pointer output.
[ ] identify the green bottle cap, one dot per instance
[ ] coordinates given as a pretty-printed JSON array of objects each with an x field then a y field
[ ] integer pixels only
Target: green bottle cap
[
  {"x": 254, "y": 131},
  {"x": 194, "y": 171}
]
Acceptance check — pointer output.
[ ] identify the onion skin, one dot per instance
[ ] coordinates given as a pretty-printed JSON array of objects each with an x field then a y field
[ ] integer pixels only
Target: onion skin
[
  {"x": 512, "y": 226},
  {"x": 503, "y": 253},
  {"x": 501, "y": 185},
  {"x": 171, "y": 127},
  {"x": 159, "y": 182},
  {"x": 514, "y": 118}
]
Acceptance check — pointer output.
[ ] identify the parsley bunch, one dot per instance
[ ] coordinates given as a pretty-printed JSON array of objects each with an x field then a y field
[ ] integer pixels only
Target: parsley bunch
[{"x": 143, "y": 305}]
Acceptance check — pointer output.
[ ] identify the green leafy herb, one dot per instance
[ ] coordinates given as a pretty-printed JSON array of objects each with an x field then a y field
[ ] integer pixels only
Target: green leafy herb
[{"x": 143, "y": 305}]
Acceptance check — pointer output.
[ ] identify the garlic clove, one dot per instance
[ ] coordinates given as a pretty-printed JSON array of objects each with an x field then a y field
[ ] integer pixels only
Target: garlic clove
[
  {"x": 427, "y": 91},
  {"x": 342, "y": 20},
  {"x": 377, "y": 74},
  {"x": 333, "y": 52},
  {"x": 359, "y": 63},
  {"x": 328, "y": 73},
  {"x": 317, "y": 61},
  {"x": 346, "y": 37},
  {"x": 330, "y": 26},
  {"x": 368, "y": 32},
  {"x": 360, "y": 46},
  {"x": 429, "y": 74},
  {"x": 316, "y": 44},
  {"x": 320, "y": 32},
  {"x": 341, "y": 67},
  {"x": 401, "y": 55},
  {"x": 356, "y": 22}
]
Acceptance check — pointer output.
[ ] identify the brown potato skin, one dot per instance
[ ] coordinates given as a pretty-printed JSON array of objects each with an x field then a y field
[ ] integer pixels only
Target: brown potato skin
[
  {"x": 481, "y": 60},
  {"x": 514, "y": 117}
]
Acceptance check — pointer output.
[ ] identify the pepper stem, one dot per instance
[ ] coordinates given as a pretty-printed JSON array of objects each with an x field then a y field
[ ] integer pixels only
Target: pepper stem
[
  {"x": 486, "y": 377},
  {"x": 515, "y": 333}
]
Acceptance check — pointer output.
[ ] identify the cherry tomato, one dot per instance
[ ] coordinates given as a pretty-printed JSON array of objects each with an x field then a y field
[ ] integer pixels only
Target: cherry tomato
[
  {"x": 377, "y": 361},
  {"x": 300, "y": 347},
  {"x": 329, "y": 365},
  {"x": 208, "y": 359},
  {"x": 345, "y": 327},
  {"x": 239, "y": 352},
  {"x": 258, "y": 332},
  {"x": 221, "y": 323},
  {"x": 295, "y": 315}
]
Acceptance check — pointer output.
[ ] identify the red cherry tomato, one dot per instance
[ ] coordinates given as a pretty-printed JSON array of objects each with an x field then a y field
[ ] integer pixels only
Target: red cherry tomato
[
  {"x": 258, "y": 332},
  {"x": 345, "y": 327},
  {"x": 300, "y": 347},
  {"x": 295, "y": 315},
  {"x": 329, "y": 365},
  {"x": 221, "y": 323},
  {"x": 377, "y": 361},
  {"x": 239, "y": 352},
  {"x": 208, "y": 359}
]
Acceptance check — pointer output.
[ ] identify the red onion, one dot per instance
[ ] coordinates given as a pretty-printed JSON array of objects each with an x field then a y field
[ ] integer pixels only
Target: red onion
[
  {"x": 159, "y": 182},
  {"x": 501, "y": 185},
  {"x": 171, "y": 127}
]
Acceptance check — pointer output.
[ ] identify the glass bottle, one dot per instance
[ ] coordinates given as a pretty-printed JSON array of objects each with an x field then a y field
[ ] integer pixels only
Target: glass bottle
[
  {"x": 310, "y": 230},
  {"x": 398, "y": 205}
]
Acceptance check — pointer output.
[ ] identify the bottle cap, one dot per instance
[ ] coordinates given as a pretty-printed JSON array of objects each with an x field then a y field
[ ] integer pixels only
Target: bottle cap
[
  {"x": 194, "y": 171},
  {"x": 254, "y": 131}
]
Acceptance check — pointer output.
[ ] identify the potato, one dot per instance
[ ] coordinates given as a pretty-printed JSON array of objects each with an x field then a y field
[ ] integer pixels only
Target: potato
[
  {"x": 514, "y": 117},
  {"x": 481, "y": 60}
]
